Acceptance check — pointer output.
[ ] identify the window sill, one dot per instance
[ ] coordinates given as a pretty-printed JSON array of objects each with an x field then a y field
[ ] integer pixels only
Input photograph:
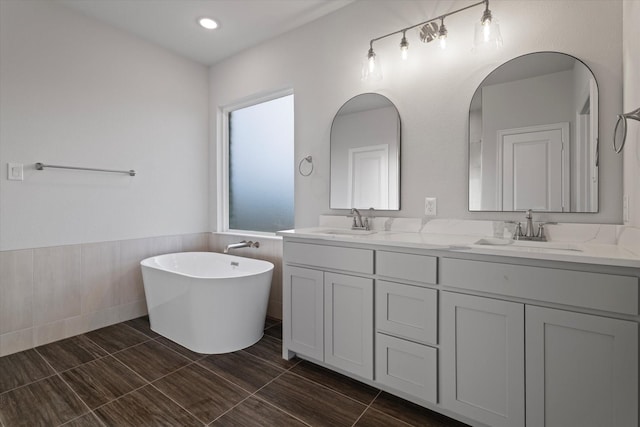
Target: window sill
[{"x": 252, "y": 234}]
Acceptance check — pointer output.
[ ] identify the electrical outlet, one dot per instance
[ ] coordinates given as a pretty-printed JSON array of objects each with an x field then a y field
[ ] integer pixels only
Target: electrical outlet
[
  {"x": 15, "y": 172},
  {"x": 430, "y": 206}
]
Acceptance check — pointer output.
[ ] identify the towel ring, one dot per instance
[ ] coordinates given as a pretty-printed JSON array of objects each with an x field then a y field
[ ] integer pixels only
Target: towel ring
[
  {"x": 308, "y": 159},
  {"x": 622, "y": 118}
]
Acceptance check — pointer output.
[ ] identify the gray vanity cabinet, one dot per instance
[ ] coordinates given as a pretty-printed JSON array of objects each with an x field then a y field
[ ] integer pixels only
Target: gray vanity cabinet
[
  {"x": 582, "y": 370},
  {"x": 492, "y": 341},
  {"x": 483, "y": 359},
  {"x": 328, "y": 315}
]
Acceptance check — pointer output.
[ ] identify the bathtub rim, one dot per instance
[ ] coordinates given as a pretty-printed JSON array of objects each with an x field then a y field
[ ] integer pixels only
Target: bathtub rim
[{"x": 268, "y": 266}]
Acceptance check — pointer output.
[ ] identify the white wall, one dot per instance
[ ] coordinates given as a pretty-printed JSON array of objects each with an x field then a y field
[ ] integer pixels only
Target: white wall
[
  {"x": 631, "y": 60},
  {"x": 432, "y": 90},
  {"x": 78, "y": 92}
]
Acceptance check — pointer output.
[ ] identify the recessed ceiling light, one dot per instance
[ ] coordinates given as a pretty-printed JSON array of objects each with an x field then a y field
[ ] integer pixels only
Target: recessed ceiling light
[{"x": 208, "y": 23}]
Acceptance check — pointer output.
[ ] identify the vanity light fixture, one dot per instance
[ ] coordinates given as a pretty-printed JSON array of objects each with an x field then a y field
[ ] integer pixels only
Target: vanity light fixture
[
  {"x": 207, "y": 23},
  {"x": 430, "y": 31}
]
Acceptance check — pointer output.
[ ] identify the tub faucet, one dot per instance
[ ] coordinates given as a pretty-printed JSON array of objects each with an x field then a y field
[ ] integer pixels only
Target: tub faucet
[{"x": 243, "y": 244}]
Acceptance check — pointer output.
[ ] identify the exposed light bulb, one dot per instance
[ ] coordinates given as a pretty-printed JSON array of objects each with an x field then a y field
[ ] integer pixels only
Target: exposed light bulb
[
  {"x": 486, "y": 30},
  {"x": 486, "y": 24},
  {"x": 208, "y": 23},
  {"x": 404, "y": 47},
  {"x": 442, "y": 35},
  {"x": 372, "y": 61}
]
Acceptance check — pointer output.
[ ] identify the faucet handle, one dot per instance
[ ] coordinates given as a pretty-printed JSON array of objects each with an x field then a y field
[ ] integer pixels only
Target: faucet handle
[{"x": 517, "y": 233}]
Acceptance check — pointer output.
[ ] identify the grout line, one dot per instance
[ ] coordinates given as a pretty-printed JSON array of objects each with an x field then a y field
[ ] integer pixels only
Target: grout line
[
  {"x": 177, "y": 352},
  {"x": 255, "y": 395},
  {"x": 137, "y": 330},
  {"x": 334, "y": 390},
  {"x": 176, "y": 402},
  {"x": 95, "y": 417},
  {"x": 250, "y": 394},
  {"x": 34, "y": 381},
  {"x": 367, "y": 408},
  {"x": 67, "y": 384},
  {"x": 146, "y": 383},
  {"x": 261, "y": 399},
  {"x": 268, "y": 361}
]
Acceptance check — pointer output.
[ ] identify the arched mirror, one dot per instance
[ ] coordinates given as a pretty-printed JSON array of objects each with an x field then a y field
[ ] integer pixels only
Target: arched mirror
[
  {"x": 533, "y": 136},
  {"x": 365, "y": 154}
]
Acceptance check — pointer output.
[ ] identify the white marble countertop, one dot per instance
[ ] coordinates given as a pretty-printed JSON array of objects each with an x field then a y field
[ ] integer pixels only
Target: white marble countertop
[{"x": 589, "y": 252}]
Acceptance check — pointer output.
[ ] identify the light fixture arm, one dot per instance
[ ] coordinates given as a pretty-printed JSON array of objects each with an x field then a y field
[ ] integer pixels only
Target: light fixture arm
[{"x": 441, "y": 17}]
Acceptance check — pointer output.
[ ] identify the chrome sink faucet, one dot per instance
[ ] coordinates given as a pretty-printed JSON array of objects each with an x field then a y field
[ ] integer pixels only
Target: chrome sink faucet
[
  {"x": 360, "y": 223},
  {"x": 528, "y": 233}
]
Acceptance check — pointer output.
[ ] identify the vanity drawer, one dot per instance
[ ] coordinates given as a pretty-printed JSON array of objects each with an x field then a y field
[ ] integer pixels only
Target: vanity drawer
[
  {"x": 608, "y": 292},
  {"x": 333, "y": 257},
  {"x": 407, "y": 311},
  {"x": 417, "y": 268},
  {"x": 407, "y": 366}
]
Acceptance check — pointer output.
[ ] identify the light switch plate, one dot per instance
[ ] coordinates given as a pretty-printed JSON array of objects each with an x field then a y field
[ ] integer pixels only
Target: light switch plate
[
  {"x": 15, "y": 172},
  {"x": 430, "y": 206}
]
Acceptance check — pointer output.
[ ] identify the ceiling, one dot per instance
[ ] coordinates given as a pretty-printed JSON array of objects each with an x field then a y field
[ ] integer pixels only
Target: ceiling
[{"x": 172, "y": 23}]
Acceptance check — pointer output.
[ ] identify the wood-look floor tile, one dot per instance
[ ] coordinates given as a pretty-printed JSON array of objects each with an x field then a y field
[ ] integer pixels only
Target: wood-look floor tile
[
  {"x": 88, "y": 420},
  {"x": 242, "y": 369},
  {"x": 48, "y": 402},
  {"x": 201, "y": 392},
  {"x": 191, "y": 355},
  {"x": 71, "y": 352},
  {"x": 22, "y": 368},
  {"x": 256, "y": 413},
  {"x": 310, "y": 402},
  {"x": 117, "y": 337},
  {"x": 102, "y": 381},
  {"x": 412, "y": 413},
  {"x": 373, "y": 418},
  {"x": 142, "y": 324},
  {"x": 274, "y": 331},
  {"x": 270, "y": 349},
  {"x": 335, "y": 381},
  {"x": 271, "y": 321},
  {"x": 152, "y": 360},
  {"x": 146, "y": 407}
]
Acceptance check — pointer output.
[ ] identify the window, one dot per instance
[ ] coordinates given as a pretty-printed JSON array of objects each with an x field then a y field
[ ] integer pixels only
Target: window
[{"x": 261, "y": 166}]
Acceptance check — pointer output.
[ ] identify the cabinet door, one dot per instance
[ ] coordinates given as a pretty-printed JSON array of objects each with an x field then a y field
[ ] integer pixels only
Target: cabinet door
[
  {"x": 348, "y": 323},
  {"x": 582, "y": 370},
  {"x": 482, "y": 363},
  {"x": 303, "y": 311}
]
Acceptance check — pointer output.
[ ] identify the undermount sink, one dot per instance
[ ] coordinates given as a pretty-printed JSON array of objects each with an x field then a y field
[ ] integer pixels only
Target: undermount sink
[
  {"x": 346, "y": 232},
  {"x": 528, "y": 244}
]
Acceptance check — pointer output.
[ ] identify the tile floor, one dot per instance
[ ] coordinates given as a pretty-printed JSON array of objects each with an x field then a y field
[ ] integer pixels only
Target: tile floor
[{"x": 127, "y": 375}]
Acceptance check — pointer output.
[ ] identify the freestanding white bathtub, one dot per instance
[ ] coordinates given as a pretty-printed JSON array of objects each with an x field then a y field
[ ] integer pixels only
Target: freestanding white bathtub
[{"x": 207, "y": 302}]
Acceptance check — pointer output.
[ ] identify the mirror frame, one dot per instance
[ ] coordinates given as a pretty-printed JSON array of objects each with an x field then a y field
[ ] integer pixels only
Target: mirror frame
[
  {"x": 597, "y": 128},
  {"x": 396, "y": 158}
]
